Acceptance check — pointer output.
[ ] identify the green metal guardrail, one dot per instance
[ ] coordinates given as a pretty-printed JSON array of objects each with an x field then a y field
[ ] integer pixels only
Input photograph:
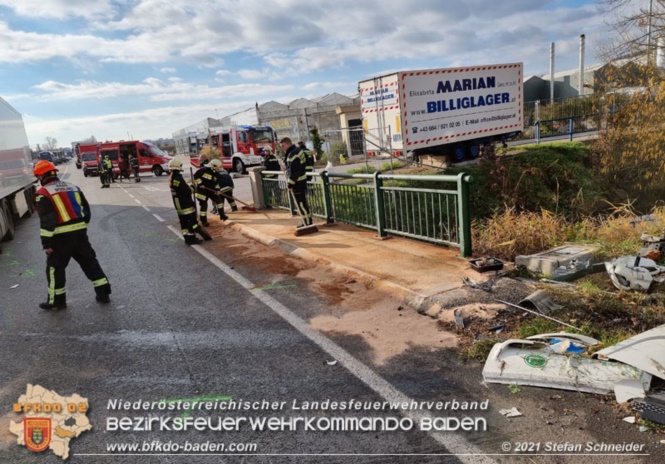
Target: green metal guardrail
[{"x": 429, "y": 208}]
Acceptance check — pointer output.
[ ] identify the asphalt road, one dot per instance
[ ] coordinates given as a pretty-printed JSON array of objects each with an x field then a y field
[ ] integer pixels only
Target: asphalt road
[{"x": 179, "y": 327}]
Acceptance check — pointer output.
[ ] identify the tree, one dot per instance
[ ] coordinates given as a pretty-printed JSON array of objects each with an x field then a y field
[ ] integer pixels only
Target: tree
[
  {"x": 51, "y": 143},
  {"x": 631, "y": 144},
  {"x": 636, "y": 25},
  {"x": 317, "y": 142}
]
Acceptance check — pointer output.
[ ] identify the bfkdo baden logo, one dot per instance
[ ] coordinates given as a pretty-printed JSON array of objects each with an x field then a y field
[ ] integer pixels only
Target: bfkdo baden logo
[{"x": 50, "y": 420}]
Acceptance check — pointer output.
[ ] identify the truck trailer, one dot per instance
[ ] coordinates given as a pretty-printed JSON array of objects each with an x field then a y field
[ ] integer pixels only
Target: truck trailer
[
  {"x": 17, "y": 184},
  {"x": 452, "y": 112}
]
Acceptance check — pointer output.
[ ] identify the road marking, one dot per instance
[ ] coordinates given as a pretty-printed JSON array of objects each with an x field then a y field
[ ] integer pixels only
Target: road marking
[
  {"x": 137, "y": 201},
  {"x": 457, "y": 445},
  {"x": 146, "y": 208},
  {"x": 132, "y": 196},
  {"x": 158, "y": 217}
]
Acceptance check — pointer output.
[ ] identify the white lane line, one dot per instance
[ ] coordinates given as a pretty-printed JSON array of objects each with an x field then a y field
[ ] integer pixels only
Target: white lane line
[
  {"x": 137, "y": 201},
  {"x": 455, "y": 444},
  {"x": 132, "y": 196},
  {"x": 146, "y": 208},
  {"x": 158, "y": 217}
]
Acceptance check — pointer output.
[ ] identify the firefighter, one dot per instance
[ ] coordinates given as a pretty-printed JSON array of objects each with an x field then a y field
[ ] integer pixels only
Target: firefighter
[
  {"x": 309, "y": 157},
  {"x": 184, "y": 205},
  {"x": 270, "y": 162},
  {"x": 104, "y": 174},
  {"x": 64, "y": 215},
  {"x": 296, "y": 174},
  {"x": 206, "y": 188},
  {"x": 109, "y": 169},
  {"x": 134, "y": 165},
  {"x": 225, "y": 182}
]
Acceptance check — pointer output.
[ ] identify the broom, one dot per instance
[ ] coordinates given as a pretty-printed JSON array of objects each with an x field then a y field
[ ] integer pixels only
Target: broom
[
  {"x": 305, "y": 230},
  {"x": 245, "y": 206}
]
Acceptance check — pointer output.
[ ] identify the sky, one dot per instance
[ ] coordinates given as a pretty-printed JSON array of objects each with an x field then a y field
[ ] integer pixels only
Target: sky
[{"x": 143, "y": 69}]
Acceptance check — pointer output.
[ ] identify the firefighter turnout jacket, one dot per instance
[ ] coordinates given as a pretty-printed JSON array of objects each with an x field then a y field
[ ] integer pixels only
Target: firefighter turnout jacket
[
  {"x": 182, "y": 194},
  {"x": 296, "y": 165},
  {"x": 205, "y": 179},
  {"x": 62, "y": 208}
]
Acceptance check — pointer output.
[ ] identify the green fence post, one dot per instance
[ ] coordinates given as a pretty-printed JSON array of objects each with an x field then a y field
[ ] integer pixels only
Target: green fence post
[
  {"x": 464, "y": 214},
  {"x": 327, "y": 199},
  {"x": 378, "y": 202}
]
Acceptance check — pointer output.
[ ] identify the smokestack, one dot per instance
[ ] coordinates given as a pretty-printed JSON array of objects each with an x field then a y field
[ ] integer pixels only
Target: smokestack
[
  {"x": 660, "y": 53},
  {"x": 581, "y": 92},
  {"x": 552, "y": 72}
]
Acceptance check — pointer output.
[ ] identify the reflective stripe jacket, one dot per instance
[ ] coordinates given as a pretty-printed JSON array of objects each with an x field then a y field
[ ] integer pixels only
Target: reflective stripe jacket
[
  {"x": 205, "y": 177},
  {"x": 225, "y": 181},
  {"x": 62, "y": 208},
  {"x": 309, "y": 160},
  {"x": 296, "y": 165},
  {"x": 182, "y": 194}
]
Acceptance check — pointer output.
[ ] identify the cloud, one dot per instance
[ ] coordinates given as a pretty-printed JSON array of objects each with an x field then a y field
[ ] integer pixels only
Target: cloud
[
  {"x": 153, "y": 88},
  {"x": 61, "y": 9},
  {"x": 167, "y": 70}
]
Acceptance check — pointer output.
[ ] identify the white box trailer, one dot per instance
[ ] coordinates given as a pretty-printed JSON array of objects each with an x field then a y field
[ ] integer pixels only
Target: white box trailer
[
  {"x": 17, "y": 187},
  {"x": 448, "y": 111}
]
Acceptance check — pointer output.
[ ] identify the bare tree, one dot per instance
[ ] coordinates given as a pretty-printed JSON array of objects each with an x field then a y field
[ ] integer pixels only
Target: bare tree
[
  {"x": 51, "y": 143},
  {"x": 636, "y": 25}
]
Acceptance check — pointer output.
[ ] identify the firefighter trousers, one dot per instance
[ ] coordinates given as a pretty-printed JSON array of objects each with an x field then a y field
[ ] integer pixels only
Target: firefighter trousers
[
  {"x": 188, "y": 224},
  {"x": 203, "y": 205},
  {"x": 226, "y": 193},
  {"x": 300, "y": 194},
  {"x": 65, "y": 247}
]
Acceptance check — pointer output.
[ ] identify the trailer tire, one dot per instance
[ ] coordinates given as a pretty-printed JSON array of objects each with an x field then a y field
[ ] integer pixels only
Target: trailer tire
[
  {"x": 474, "y": 150},
  {"x": 9, "y": 220},
  {"x": 459, "y": 152}
]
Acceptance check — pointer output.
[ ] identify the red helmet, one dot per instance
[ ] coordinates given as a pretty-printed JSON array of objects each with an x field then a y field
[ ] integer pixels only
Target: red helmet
[{"x": 42, "y": 167}]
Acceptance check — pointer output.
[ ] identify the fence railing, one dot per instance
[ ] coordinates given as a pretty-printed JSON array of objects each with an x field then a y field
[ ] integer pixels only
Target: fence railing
[{"x": 429, "y": 208}]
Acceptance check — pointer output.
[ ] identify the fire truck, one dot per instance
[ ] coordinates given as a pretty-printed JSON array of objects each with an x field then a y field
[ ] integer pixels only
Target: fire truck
[
  {"x": 151, "y": 158},
  {"x": 17, "y": 184},
  {"x": 239, "y": 146}
]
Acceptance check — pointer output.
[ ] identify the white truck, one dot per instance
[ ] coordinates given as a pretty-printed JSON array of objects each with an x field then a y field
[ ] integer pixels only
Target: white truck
[
  {"x": 453, "y": 112},
  {"x": 17, "y": 184}
]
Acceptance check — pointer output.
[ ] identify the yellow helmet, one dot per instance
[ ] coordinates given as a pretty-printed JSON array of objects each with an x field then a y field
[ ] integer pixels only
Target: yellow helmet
[
  {"x": 175, "y": 164},
  {"x": 215, "y": 164}
]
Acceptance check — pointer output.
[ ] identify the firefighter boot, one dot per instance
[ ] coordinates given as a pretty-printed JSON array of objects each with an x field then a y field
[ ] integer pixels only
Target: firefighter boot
[
  {"x": 57, "y": 305},
  {"x": 234, "y": 208},
  {"x": 222, "y": 215},
  {"x": 204, "y": 220},
  {"x": 202, "y": 232},
  {"x": 103, "y": 293},
  {"x": 192, "y": 240}
]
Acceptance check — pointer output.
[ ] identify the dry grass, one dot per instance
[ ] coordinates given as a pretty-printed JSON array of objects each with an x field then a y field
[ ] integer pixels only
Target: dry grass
[{"x": 513, "y": 233}]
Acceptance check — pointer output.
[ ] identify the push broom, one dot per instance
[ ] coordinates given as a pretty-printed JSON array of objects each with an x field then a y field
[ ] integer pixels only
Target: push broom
[{"x": 304, "y": 230}]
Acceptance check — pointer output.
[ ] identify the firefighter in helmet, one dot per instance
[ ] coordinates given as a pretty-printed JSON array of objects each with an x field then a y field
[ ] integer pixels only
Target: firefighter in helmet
[
  {"x": 184, "y": 205},
  {"x": 64, "y": 214},
  {"x": 206, "y": 188}
]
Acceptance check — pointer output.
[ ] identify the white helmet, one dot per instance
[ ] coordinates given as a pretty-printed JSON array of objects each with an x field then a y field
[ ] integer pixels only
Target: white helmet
[
  {"x": 175, "y": 164},
  {"x": 215, "y": 164}
]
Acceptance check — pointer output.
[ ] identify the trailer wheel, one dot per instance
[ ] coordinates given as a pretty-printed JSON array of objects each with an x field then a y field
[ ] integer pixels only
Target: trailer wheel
[
  {"x": 85, "y": 173},
  {"x": 474, "y": 151},
  {"x": 8, "y": 219},
  {"x": 158, "y": 170},
  {"x": 459, "y": 152}
]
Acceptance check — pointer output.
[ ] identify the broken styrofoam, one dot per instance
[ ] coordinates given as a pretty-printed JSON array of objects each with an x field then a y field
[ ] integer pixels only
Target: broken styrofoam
[
  {"x": 629, "y": 419},
  {"x": 626, "y": 390},
  {"x": 645, "y": 351},
  {"x": 535, "y": 363},
  {"x": 510, "y": 412},
  {"x": 633, "y": 272},
  {"x": 589, "y": 341}
]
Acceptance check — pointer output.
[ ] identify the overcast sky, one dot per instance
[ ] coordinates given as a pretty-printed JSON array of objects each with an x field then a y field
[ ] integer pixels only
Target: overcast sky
[{"x": 142, "y": 69}]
